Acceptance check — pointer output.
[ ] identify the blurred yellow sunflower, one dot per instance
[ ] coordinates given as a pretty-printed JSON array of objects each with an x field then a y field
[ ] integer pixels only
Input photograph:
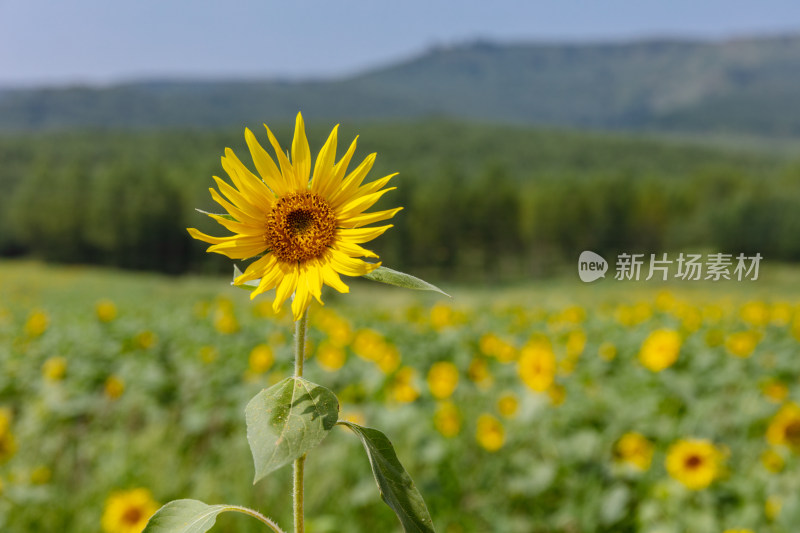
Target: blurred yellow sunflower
[
  {"x": 634, "y": 449},
  {"x": 660, "y": 349},
  {"x": 694, "y": 462},
  {"x": 307, "y": 232},
  {"x": 128, "y": 511},
  {"x": 784, "y": 428}
]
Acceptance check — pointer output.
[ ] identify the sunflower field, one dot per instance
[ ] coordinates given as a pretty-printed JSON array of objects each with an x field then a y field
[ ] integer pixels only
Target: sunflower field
[{"x": 549, "y": 407}]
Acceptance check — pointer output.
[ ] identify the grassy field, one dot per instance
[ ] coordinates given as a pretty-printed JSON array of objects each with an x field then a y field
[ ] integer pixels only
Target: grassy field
[{"x": 552, "y": 406}]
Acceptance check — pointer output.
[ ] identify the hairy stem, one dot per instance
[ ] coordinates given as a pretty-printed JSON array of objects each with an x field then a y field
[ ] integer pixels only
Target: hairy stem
[
  {"x": 299, "y": 464},
  {"x": 255, "y": 514}
]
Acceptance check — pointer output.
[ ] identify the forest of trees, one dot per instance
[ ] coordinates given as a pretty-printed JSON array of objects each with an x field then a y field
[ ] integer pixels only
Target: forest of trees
[{"x": 481, "y": 202}]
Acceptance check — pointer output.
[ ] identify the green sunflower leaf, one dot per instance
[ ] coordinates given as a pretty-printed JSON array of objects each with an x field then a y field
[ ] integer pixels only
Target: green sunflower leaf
[
  {"x": 395, "y": 485},
  {"x": 193, "y": 516},
  {"x": 386, "y": 275},
  {"x": 286, "y": 420},
  {"x": 247, "y": 285},
  {"x": 223, "y": 215}
]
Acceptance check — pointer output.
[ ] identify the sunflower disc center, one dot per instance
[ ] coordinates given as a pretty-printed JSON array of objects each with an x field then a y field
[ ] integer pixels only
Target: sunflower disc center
[
  {"x": 693, "y": 461},
  {"x": 300, "y": 227}
]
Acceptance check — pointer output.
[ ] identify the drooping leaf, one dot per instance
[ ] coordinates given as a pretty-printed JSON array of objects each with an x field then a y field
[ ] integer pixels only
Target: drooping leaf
[
  {"x": 286, "y": 420},
  {"x": 395, "y": 485},
  {"x": 193, "y": 516},
  {"x": 386, "y": 275},
  {"x": 247, "y": 285},
  {"x": 223, "y": 215}
]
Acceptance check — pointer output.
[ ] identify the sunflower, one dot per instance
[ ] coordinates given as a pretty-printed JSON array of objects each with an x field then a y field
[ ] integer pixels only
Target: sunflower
[
  {"x": 784, "y": 428},
  {"x": 305, "y": 232},
  {"x": 634, "y": 449},
  {"x": 128, "y": 511},
  {"x": 694, "y": 462}
]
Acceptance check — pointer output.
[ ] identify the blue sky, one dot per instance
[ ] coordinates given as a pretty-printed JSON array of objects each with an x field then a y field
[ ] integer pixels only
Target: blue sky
[{"x": 107, "y": 41}]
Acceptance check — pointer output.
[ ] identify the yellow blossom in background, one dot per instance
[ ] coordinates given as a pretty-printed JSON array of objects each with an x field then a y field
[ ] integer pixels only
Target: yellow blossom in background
[
  {"x": 55, "y": 368},
  {"x": 128, "y": 511},
  {"x": 634, "y": 449},
  {"x": 742, "y": 344},
  {"x": 755, "y": 313},
  {"x": 442, "y": 379},
  {"x": 772, "y": 507},
  {"x": 114, "y": 387},
  {"x": 781, "y": 313},
  {"x": 493, "y": 346},
  {"x": 665, "y": 300},
  {"x": 775, "y": 391},
  {"x": 41, "y": 475},
  {"x": 441, "y": 316},
  {"x": 576, "y": 342},
  {"x": 784, "y": 428},
  {"x": 537, "y": 366},
  {"x": 772, "y": 461},
  {"x": 208, "y": 354},
  {"x": 368, "y": 344},
  {"x": 696, "y": 463},
  {"x": 337, "y": 328},
  {"x": 508, "y": 405},
  {"x": 607, "y": 351},
  {"x": 225, "y": 320},
  {"x": 145, "y": 340},
  {"x": 478, "y": 372},
  {"x": 37, "y": 323},
  {"x": 714, "y": 337},
  {"x": 447, "y": 419},
  {"x": 330, "y": 356},
  {"x": 308, "y": 226},
  {"x": 572, "y": 315},
  {"x": 557, "y": 394},
  {"x": 490, "y": 433},
  {"x": 8, "y": 444},
  {"x": 261, "y": 359},
  {"x": 105, "y": 310},
  {"x": 738, "y": 531},
  {"x": 403, "y": 389},
  {"x": 660, "y": 350},
  {"x": 356, "y": 417}
]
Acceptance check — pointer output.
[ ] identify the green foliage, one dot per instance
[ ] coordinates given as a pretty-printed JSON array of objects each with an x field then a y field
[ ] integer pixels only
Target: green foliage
[
  {"x": 482, "y": 202},
  {"x": 397, "y": 488},
  {"x": 191, "y": 516},
  {"x": 287, "y": 420},
  {"x": 386, "y": 275}
]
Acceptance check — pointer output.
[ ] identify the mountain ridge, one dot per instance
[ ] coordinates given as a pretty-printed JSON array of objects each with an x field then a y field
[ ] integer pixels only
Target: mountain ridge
[{"x": 739, "y": 85}]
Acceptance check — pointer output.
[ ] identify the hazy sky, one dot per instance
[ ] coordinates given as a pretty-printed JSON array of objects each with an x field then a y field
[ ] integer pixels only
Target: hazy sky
[{"x": 106, "y": 41}]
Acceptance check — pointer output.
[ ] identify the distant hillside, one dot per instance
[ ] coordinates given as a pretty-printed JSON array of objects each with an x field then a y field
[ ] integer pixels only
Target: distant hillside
[{"x": 747, "y": 86}]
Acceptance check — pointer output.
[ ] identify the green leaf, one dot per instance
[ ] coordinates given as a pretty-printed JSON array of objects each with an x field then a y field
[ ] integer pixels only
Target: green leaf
[
  {"x": 247, "y": 285},
  {"x": 286, "y": 420},
  {"x": 396, "y": 487},
  {"x": 193, "y": 516},
  {"x": 401, "y": 279},
  {"x": 223, "y": 215}
]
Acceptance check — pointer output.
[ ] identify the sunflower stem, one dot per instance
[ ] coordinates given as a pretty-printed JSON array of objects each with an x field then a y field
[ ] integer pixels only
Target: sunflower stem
[{"x": 299, "y": 464}]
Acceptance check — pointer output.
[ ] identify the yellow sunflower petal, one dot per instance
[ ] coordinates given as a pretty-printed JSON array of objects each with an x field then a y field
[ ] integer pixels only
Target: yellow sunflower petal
[
  {"x": 368, "y": 218},
  {"x": 332, "y": 279},
  {"x": 376, "y": 185},
  {"x": 256, "y": 269},
  {"x": 238, "y": 249},
  {"x": 246, "y": 181},
  {"x": 200, "y": 236},
  {"x": 354, "y": 250},
  {"x": 270, "y": 280},
  {"x": 302, "y": 296},
  {"x": 238, "y": 199},
  {"x": 349, "y": 186},
  {"x": 325, "y": 162},
  {"x": 301, "y": 155},
  {"x": 286, "y": 167},
  {"x": 362, "y": 235},
  {"x": 232, "y": 210},
  {"x": 359, "y": 203},
  {"x": 286, "y": 287},
  {"x": 239, "y": 227},
  {"x": 344, "y": 264},
  {"x": 337, "y": 174},
  {"x": 265, "y": 165}
]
